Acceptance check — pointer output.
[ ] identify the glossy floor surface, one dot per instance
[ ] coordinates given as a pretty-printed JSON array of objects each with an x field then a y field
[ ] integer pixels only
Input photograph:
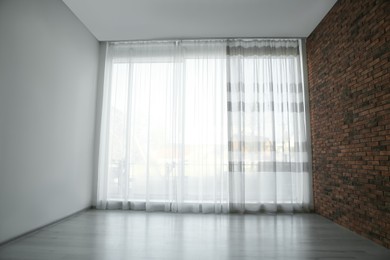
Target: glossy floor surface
[{"x": 138, "y": 235}]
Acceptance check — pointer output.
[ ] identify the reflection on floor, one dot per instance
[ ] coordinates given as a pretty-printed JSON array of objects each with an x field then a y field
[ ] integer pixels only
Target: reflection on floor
[{"x": 139, "y": 235}]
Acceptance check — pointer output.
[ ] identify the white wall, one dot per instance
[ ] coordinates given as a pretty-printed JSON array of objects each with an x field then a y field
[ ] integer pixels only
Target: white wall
[{"x": 48, "y": 74}]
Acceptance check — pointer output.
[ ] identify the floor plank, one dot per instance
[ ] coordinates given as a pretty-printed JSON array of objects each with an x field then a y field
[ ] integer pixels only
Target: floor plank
[{"x": 103, "y": 235}]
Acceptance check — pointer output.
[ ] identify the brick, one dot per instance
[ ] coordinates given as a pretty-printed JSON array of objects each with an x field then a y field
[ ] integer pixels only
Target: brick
[{"x": 348, "y": 62}]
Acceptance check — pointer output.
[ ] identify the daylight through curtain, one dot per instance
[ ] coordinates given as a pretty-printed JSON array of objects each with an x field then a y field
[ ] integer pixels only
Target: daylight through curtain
[{"x": 204, "y": 126}]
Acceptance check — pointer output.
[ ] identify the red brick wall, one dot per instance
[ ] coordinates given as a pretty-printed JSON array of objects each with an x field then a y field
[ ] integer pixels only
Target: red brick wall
[{"x": 349, "y": 85}]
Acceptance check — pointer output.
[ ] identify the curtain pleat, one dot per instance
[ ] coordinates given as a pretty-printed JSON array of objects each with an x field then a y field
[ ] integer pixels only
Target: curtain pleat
[{"x": 204, "y": 126}]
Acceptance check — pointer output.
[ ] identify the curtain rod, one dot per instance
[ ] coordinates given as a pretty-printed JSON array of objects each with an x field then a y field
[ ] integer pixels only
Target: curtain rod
[{"x": 205, "y": 39}]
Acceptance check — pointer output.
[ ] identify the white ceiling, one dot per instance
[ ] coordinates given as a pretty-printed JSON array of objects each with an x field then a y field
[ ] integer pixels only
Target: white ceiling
[{"x": 114, "y": 20}]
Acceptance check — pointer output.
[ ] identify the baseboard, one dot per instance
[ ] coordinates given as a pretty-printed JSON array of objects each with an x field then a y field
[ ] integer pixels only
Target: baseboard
[{"x": 28, "y": 233}]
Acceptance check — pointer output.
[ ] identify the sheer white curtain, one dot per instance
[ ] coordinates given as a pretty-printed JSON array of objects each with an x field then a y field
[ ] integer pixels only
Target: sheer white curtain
[
  {"x": 203, "y": 126},
  {"x": 165, "y": 137},
  {"x": 268, "y": 148}
]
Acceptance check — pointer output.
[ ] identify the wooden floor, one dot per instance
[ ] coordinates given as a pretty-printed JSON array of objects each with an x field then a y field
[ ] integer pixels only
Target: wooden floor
[{"x": 138, "y": 235}]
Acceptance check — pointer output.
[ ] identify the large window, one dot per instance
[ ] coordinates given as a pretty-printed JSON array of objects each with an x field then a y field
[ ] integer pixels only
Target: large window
[{"x": 204, "y": 126}]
